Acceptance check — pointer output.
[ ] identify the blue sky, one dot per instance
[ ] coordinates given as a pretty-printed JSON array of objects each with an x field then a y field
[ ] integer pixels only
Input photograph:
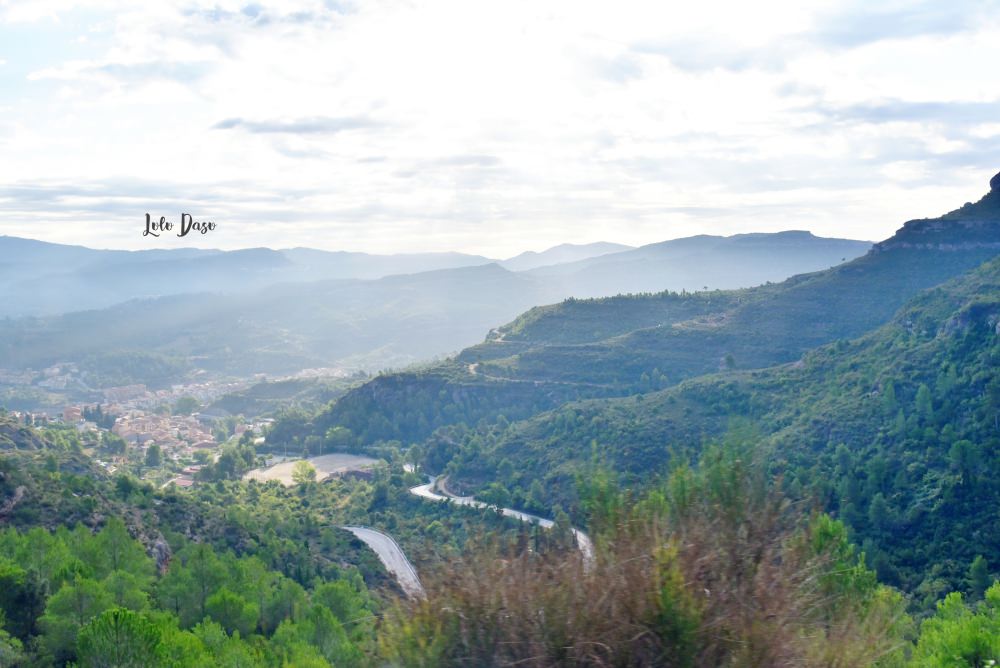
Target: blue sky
[{"x": 391, "y": 126}]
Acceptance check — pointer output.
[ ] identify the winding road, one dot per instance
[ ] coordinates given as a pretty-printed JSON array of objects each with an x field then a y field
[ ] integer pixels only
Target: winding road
[
  {"x": 392, "y": 557},
  {"x": 426, "y": 491}
]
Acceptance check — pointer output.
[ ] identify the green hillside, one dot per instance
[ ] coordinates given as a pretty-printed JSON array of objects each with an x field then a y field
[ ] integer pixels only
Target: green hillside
[{"x": 897, "y": 432}]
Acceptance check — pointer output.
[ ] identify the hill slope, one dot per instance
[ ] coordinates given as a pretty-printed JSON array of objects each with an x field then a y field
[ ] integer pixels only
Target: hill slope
[
  {"x": 897, "y": 431},
  {"x": 285, "y": 328}
]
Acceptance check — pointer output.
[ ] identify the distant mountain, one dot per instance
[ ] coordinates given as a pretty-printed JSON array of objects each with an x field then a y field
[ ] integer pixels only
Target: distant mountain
[
  {"x": 313, "y": 265},
  {"x": 561, "y": 254},
  {"x": 256, "y": 310},
  {"x": 40, "y": 278},
  {"x": 283, "y": 328},
  {"x": 704, "y": 262}
]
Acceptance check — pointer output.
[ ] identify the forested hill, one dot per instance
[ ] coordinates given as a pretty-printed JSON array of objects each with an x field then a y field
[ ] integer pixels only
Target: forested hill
[
  {"x": 896, "y": 431},
  {"x": 628, "y": 344}
]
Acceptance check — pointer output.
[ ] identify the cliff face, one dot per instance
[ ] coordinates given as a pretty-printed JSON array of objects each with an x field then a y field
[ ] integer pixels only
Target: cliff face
[{"x": 976, "y": 225}]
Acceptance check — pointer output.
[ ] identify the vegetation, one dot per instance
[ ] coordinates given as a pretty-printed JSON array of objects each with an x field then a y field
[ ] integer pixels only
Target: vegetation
[
  {"x": 98, "y": 599},
  {"x": 797, "y": 474}
]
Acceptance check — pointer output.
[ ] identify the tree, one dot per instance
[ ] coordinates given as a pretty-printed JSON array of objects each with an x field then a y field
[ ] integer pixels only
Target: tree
[
  {"x": 154, "y": 456},
  {"x": 344, "y": 600},
  {"x": 191, "y": 584},
  {"x": 115, "y": 550},
  {"x": 925, "y": 406},
  {"x": 889, "y": 398},
  {"x": 303, "y": 472},
  {"x": 233, "y": 611},
  {"x": 11, "y": 653},
  {"x": 957, "y": 636},
  {"x": 186, "y": 406},
  {"x": 22, "y": 598},
  {"x": 72, "y": 607},
  {"x": 325, "y": 632},
  {"x": 119, "y": 638},
  {"x": 979, "y": 577},
  {"x": 287, "y": 602}
]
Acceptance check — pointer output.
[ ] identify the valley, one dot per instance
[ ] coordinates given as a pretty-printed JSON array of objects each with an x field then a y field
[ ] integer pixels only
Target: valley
[{"x": 561, "y": 448}]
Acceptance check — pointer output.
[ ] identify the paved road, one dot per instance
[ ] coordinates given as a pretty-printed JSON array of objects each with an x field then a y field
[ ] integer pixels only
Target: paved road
[
  {"x": 426, "y": 491},
  {"x": 391, "y": 555},
  {"x": 395, "y": 561}
]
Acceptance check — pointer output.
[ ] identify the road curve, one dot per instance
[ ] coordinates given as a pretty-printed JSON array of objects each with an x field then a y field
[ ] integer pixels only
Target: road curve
[
  {"x": 583, "y": 541},
  {"x": 391, "y": 555}
]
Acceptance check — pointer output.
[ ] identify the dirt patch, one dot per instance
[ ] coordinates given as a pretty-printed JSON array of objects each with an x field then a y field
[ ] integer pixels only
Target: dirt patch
[{"x": 326, "y": 465}]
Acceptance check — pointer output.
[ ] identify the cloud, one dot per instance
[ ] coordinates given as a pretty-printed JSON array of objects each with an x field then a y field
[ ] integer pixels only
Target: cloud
[
  {"x": 380, "y": 126},
  {"x": 261, "y": 16},
  {"x": 300, "y": 126},
  {"x": 137, "y": 73},
  {"x": 619, "y": 69},
  {"x": 470, "y": 160},
  {"x": 867, "y": 23},
  {"x": 701, "y": 54},
  {"x": 850, "y": 27},
  {"x": 891, "y": 111}
]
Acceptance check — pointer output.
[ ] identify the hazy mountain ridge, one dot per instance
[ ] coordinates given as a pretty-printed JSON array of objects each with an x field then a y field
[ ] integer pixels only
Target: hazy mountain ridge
[
  {"x": 705, "y": 262},
  {"x": 561, "y": 254},
  {"x": 268, "y": 323},
  {"x": 41, "y": 278},
  {"x": 48, "y": 279}
]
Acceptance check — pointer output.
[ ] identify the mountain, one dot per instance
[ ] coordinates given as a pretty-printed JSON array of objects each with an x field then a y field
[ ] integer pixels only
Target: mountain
[
  {"x": 41, "y": 278},
  {"x": 279, "y": 329},
  {"x": 623, "y": 345},
  {"x": 272, "y": 318},
  {"x": 561, "y": 254},
  {"x": 311, "y": 264},
  {"x": 704, "y": 262}
]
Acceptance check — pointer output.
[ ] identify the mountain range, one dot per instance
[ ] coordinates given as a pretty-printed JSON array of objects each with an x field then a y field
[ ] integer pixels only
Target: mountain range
[{"x": 267, "y": 311}]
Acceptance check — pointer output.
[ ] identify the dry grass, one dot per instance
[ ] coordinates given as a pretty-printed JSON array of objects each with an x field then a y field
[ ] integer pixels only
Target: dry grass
[{"x": 714, "y": 569}]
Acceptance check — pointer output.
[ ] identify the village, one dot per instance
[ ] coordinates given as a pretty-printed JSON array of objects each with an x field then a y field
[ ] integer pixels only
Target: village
[{"x": 182, "y": 442}]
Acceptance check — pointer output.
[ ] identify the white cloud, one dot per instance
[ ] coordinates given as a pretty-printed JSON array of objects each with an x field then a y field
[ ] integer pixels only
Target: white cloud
[{"x": 487, "y": 127}]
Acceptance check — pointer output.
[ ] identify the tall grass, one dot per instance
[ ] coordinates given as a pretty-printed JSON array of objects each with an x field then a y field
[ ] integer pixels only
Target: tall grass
[{"x": 712, "y": 568}]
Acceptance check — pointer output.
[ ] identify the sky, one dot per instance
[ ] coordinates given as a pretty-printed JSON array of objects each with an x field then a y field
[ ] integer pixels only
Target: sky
[{"x": 490, "y": 127}]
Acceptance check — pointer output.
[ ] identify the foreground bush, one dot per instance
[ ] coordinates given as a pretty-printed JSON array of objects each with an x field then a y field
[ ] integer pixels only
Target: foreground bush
[{"x": 712, "y": 568}]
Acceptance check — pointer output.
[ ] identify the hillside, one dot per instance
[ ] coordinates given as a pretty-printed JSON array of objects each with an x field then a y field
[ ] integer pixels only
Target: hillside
[
  {"x": 627, "y": 344},
  {"x": 896, "y": 431},
  {"x": 282, "y": 329}
]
